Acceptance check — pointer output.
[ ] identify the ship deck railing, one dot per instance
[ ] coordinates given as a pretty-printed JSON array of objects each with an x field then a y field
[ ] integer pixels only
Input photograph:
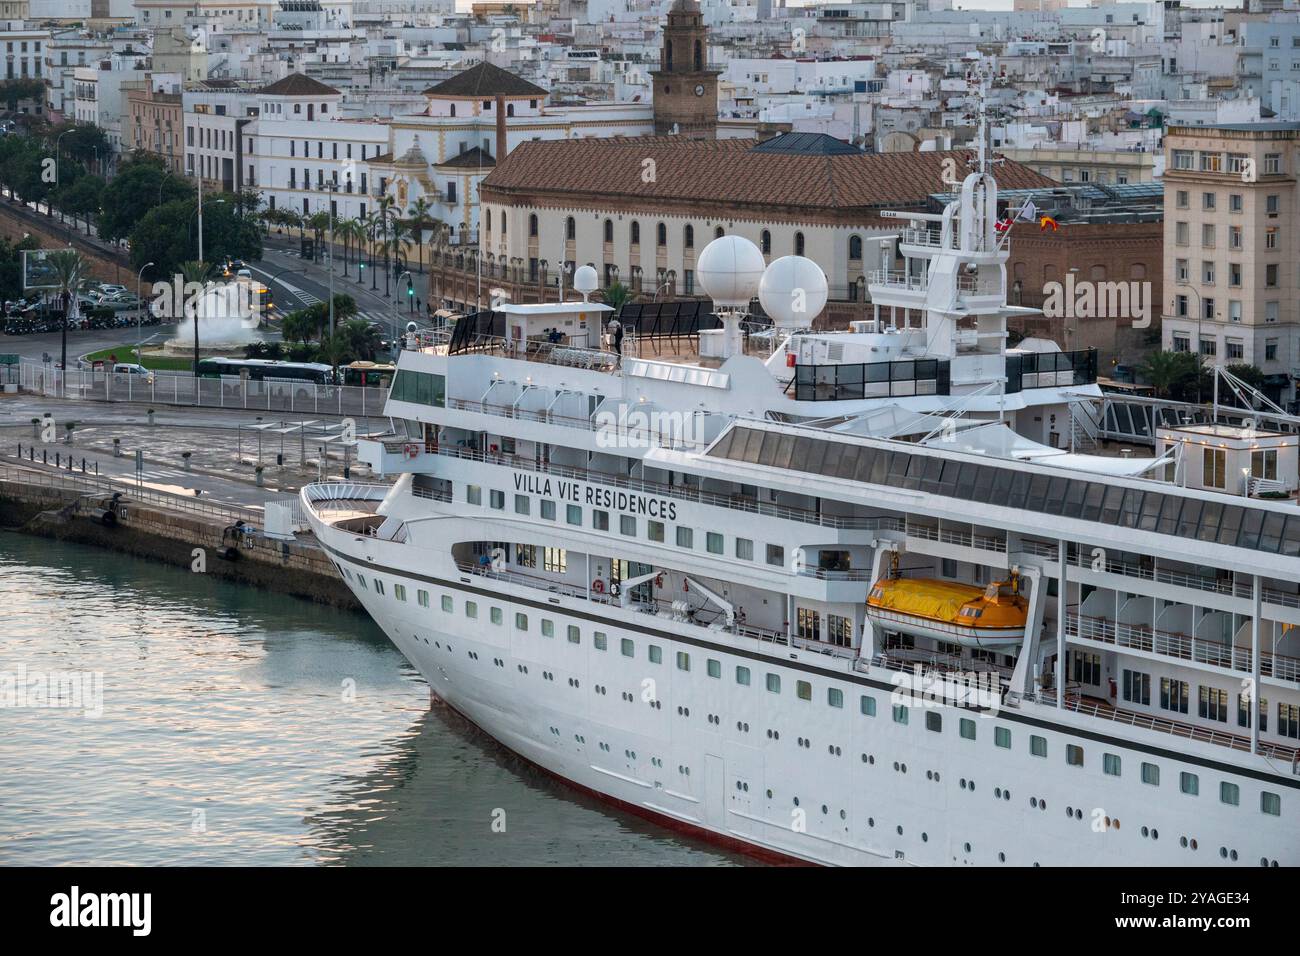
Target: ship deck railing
[
  {"x": 1199, "y": 582},
  {"x": 1183, "y": 647},
  {"x": 680, "y": 492},
  {"x": 544, "y": 351},
  {"x": 906, "y": 658},
  {"x": 706, "y": 618},
  {"x": 639, "y": 436},
  {"x": 1290, "y": 756}
]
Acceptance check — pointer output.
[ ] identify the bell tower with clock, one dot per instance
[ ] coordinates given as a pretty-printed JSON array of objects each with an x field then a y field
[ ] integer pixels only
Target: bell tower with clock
[{"x": 685, "y": 89}]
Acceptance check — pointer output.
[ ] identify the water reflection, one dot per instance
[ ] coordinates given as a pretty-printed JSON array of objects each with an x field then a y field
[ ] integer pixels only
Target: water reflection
[{"x": 242, "y": 727}]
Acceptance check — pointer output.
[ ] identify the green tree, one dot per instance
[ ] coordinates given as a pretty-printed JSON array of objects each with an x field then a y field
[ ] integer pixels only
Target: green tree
[
  {"x": 12, "y": 92},
  {"x": 81, "y": 198},
  {"x": 617, "y": 295},
  {"x": 420, "y": 222},
  {"x": 1169, "y": 372},
  {"x": 142, "y": 184}
]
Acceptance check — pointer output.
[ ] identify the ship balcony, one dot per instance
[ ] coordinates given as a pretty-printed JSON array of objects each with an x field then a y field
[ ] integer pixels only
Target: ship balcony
[
  {"x": 1233, "y": 660},
  {"x": 1283, "y": 606},
  {"x": 390, "y": 456},
  {"x": 890, "y": 287},
  {"x": 1287, "y": 758}
]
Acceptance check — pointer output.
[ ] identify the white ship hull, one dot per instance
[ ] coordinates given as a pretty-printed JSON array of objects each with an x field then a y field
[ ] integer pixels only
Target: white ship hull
[{"x": 778, "y": 776}]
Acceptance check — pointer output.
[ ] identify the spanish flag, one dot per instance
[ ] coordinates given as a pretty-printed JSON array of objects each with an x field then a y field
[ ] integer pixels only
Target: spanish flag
[{"x": 1046, "y": 221}]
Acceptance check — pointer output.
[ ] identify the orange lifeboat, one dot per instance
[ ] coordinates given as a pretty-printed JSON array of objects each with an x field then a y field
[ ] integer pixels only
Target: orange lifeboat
[{"x": 986, "y": 617}]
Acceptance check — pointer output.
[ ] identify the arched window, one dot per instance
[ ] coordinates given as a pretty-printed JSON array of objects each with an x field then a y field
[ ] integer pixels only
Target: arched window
[
  {"x": 453, "y": 109},
  {"x": 798, "y": 243},
  {"x": 532, "y": 224},
  {"x": 570, "y": 229},
  {"x": 699, "y": 56},
  {"x": 765, "y": 243},
  {"x": 636, "y": 233},
  {"x": 510, "y": 109},
  {"x": 855, "y": 247},
  {"x": 661, "y": 235},
  {"x": 609, "y": 230},
  {"x": 688, "y": 236},
  {"x": 668, "y": 54},
  {"x": 719, "y": 233},
  {"x": 503, "y": 222}
]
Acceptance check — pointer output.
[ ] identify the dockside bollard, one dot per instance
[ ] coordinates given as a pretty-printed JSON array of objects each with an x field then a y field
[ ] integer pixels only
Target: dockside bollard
[
  {"x": 185, "y": 455},
  {"x": 258, "y": 470},
  {"x": 117, "y": 448}
]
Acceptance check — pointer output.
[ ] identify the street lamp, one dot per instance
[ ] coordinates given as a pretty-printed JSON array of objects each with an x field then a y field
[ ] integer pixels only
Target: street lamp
[
  {"x": 1200, "y": 316},
  {"x": 199, "y": 213},
  {"x": 139, "y": 314},
  {"x": 57, "y": 140},
  {"x": 396, "y": 347}
]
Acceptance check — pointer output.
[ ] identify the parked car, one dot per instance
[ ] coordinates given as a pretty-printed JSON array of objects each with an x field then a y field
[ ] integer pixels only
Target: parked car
[
  {"x": 130, "y": 368},
  {"x": 108, "y": 289}
]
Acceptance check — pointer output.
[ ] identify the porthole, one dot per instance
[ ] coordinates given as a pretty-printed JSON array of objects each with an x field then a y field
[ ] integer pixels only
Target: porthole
[
  {"x": 1002, "y": 857},
  {"x": 769, "y": 794},
  {"x": 1232, "y": 855},
  {"x": 925, "y": 838},
  {"x": 843, "y": 815},
  {"x": 967, "y": 847},
  {"x": 796, "y": 801},
  {"x": 825, "y": 809},
  {"x": 900, "y": 830},
  {"x": 871, "y": 821}
]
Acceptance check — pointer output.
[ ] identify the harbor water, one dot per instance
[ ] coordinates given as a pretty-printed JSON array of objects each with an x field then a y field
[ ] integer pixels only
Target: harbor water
[{"x": 204, "y": 723}]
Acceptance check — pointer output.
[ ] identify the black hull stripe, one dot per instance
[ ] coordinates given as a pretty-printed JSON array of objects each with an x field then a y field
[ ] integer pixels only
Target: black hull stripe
[{"x": 1003, "y": 714}]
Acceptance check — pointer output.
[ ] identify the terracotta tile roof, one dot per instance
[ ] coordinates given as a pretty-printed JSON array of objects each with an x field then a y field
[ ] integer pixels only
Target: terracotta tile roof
[
  {"x": 298, "y": 84},
  {"x": 475, "y": 158},
  {"x": 485, "y": 80},
  {"x": 731, "y": 172}
]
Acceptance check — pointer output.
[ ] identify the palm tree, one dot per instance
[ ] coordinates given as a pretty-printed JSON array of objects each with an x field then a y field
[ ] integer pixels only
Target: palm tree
[
  {"x": 616, "y": 295},
  {"x": 192, "y": 270},
  {"x": 419, "y": 221},
  {"x": 1164, "y": 370},
  {"x": 318, "y": 223},
  {"x": 71, "y": 273},
  {"x": 386, "y": 204},
  {"x": 372, "y": 232}
]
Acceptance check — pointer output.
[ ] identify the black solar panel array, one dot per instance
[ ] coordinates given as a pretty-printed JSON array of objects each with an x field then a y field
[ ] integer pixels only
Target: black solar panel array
[
  {"x": 471, "y": 328},
  {"x": 681, "y": 317}
]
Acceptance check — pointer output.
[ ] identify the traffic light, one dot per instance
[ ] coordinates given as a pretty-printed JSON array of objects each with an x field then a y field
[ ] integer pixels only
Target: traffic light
[{"x": 410, "y": 287}]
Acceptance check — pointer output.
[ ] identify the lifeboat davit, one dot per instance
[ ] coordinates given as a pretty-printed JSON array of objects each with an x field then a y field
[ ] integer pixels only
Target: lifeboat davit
[{"x": 967, "y": 614}]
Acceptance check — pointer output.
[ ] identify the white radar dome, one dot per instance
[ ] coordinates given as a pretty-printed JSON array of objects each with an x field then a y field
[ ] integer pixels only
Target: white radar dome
[
  {"x": 729, "y": 270},
  {"x": 585, "y": 280},
  {"x": 793, "y": 292}
]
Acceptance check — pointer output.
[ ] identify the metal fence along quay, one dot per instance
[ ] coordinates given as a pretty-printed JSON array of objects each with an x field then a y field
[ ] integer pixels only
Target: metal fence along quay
[{"x": 182, "y": 388}]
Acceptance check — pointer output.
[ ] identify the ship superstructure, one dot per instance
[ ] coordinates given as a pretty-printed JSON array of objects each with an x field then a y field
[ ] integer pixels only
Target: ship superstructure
[{"x": 649, "y": 570}]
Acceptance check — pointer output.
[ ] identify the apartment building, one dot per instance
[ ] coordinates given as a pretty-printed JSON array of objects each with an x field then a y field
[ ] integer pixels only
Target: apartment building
[
  {"x": 215, "y": 114},
  {"x": 1231, "y": 261},
  {"x": 152, "y": 121}
]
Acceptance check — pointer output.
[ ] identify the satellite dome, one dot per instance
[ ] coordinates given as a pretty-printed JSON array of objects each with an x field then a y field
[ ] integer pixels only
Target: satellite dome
[
  {"x": 729, "y": 270},
  {"x": 793, "y": 292},
  {"x": 585, "y": 280}
]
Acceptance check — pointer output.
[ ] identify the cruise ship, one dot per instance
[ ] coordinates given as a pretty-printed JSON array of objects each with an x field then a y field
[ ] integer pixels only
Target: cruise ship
[{"x": 873, "y": 596}]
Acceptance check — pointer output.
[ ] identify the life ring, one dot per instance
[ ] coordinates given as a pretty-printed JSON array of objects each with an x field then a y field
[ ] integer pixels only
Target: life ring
[
  {"x": 659, "y": 580},
  {"x": 598, "y": 586},
  {"x": 411, "y": 450},
  {"x": 613, "y": 590}
]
